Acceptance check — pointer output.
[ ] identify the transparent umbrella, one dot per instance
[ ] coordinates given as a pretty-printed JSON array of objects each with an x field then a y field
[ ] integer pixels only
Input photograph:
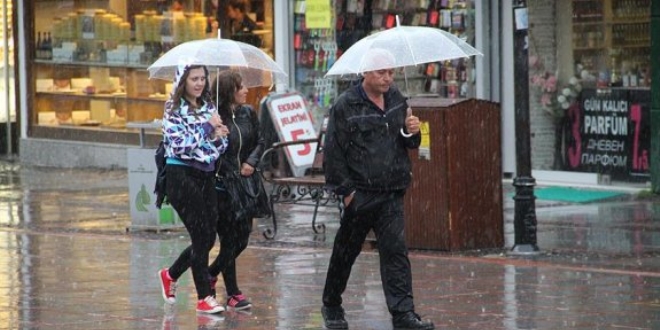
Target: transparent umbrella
[
  {"x": 255, "y": 66},
  {"x": 406, "y": 46}
]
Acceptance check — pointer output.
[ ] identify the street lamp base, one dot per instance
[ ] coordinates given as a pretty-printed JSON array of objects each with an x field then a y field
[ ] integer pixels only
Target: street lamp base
[{"x": 524, "y": 250}]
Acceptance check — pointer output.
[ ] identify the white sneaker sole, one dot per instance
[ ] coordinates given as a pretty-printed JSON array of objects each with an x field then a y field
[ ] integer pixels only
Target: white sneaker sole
[
  {"x": 167, "y": 299},
  {"x": 216, "y": 310},
  {"x": 229, "y": 308}
]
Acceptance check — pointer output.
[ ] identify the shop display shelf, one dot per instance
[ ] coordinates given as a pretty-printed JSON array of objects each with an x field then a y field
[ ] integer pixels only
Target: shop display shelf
[
  {"x": 119, "y": 96},
  {"x": 94, "y": 64}
]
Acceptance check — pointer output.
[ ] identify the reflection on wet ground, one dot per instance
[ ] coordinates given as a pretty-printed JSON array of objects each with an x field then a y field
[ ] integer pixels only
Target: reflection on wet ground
[
  {"x": 623, "y": 235},
  {"x": 66, "y": 262},
  {"x": 87, "y": 281}
]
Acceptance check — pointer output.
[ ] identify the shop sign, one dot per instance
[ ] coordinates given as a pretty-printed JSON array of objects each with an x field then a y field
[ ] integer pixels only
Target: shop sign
[
  {"x": 609, "y": 132},
  {"x": 318, "y": 14},
  {"x": 293, "y": 122}
]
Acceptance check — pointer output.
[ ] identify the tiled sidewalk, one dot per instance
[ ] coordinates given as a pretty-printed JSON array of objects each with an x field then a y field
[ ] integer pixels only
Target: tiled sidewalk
[
  {"x": 87, "y": 281},
  {"x": 67, "y": 263}
]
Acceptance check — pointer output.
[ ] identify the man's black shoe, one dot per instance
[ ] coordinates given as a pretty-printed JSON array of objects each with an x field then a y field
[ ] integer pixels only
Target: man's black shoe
[
  {"x": 411, "y": 321},
  {"x": 333, "y": 317}
]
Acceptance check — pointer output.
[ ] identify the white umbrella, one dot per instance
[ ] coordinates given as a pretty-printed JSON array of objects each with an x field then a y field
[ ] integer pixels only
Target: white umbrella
[
  {"x": 408, "y": 46},
  {"x": 255, "y": 66}
]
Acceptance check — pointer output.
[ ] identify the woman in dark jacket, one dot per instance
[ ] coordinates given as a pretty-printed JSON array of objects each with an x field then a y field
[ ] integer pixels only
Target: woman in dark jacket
[{"x": 246, "y": 145}]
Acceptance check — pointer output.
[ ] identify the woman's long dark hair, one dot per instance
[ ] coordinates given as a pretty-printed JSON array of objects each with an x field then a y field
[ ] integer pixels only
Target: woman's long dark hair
[
  {"x": 181, "y": 88},
  {"x": 226, "y": 85}
]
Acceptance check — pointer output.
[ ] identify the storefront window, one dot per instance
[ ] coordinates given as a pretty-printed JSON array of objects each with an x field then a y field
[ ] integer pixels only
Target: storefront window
[
  {"x": 90, "y": 57},
  {"x": 316, "y": 49},
  {"x": 613, "y": 108},
  {"x": 590, "y": 87},
  {"x": 611, "y": 42}
]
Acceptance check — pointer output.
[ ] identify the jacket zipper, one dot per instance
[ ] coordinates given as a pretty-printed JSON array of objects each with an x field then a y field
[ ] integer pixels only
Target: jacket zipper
[{"x": 240, "y": 140}]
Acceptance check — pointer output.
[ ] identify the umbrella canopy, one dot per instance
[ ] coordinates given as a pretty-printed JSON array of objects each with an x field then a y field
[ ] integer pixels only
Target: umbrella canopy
[
  {"x": 256, "y": 67},
  {"x": 407, "y": 45}
]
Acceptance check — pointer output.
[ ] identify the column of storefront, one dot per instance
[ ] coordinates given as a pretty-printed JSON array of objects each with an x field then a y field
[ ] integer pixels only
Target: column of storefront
[
  {"x": 8, "y": 129},
  {"x": 655, "y": 97}
]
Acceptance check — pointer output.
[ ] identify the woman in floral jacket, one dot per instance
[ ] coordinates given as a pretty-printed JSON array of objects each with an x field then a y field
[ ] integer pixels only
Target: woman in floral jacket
[{"x": 194, "y": 138}]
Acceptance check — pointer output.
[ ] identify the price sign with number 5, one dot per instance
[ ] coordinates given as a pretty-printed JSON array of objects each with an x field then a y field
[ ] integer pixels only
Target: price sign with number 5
[
  {"x": 293, "y": 122},
  {"x": 306, "y": 148}
]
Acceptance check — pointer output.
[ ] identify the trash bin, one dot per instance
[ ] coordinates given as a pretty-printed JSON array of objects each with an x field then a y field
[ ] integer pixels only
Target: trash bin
[
  {"x": 455, "y": 199},
  {"x": 141, "y": 180}
]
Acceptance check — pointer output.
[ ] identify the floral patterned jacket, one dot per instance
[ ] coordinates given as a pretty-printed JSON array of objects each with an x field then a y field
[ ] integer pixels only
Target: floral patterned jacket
[{"x": 187, "y": 135}]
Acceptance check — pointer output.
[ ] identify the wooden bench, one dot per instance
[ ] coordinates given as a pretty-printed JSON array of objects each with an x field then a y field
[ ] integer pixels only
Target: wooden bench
[{"x": 309, "y": 189}]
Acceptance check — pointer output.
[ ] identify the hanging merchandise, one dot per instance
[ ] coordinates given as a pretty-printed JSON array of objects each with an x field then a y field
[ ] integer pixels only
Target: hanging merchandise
[
  {"x": 315, "y": 49},
  {"x": 357, "y": 19},
  {"x": 324, "y": 91},
  {"x": 452, "y": 79}
]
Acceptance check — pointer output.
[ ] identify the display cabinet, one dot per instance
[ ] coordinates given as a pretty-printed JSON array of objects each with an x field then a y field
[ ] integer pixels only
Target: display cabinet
[
  {"x": 95, "y": 94},
  {"x": 449, "y": 79},
  {"x": 88, "y": 74},
  {"x": 317, "y": 49},
  {"x": 611, "y": 41}
]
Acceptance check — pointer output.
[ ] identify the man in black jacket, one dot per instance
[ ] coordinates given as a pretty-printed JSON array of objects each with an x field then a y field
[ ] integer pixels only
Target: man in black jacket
[{"x": 370, "y": 130}]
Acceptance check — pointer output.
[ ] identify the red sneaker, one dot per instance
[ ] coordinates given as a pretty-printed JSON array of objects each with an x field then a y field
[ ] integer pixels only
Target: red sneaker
[
  {"x": 209, "y": 305},
  {"x": 168, "y": 286}
]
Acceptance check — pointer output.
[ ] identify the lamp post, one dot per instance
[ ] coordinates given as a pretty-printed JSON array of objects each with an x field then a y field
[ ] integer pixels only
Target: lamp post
[{"x": 525, "y": 214}]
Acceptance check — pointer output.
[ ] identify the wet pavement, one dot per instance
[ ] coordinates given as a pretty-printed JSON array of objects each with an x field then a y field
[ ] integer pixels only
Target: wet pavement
[{"x": 67, "y": 262}]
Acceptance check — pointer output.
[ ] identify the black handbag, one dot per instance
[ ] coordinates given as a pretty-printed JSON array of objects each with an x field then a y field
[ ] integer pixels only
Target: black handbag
[
  {"x": 248, "y": 195},
  {"x": 159, "y": 187}
]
